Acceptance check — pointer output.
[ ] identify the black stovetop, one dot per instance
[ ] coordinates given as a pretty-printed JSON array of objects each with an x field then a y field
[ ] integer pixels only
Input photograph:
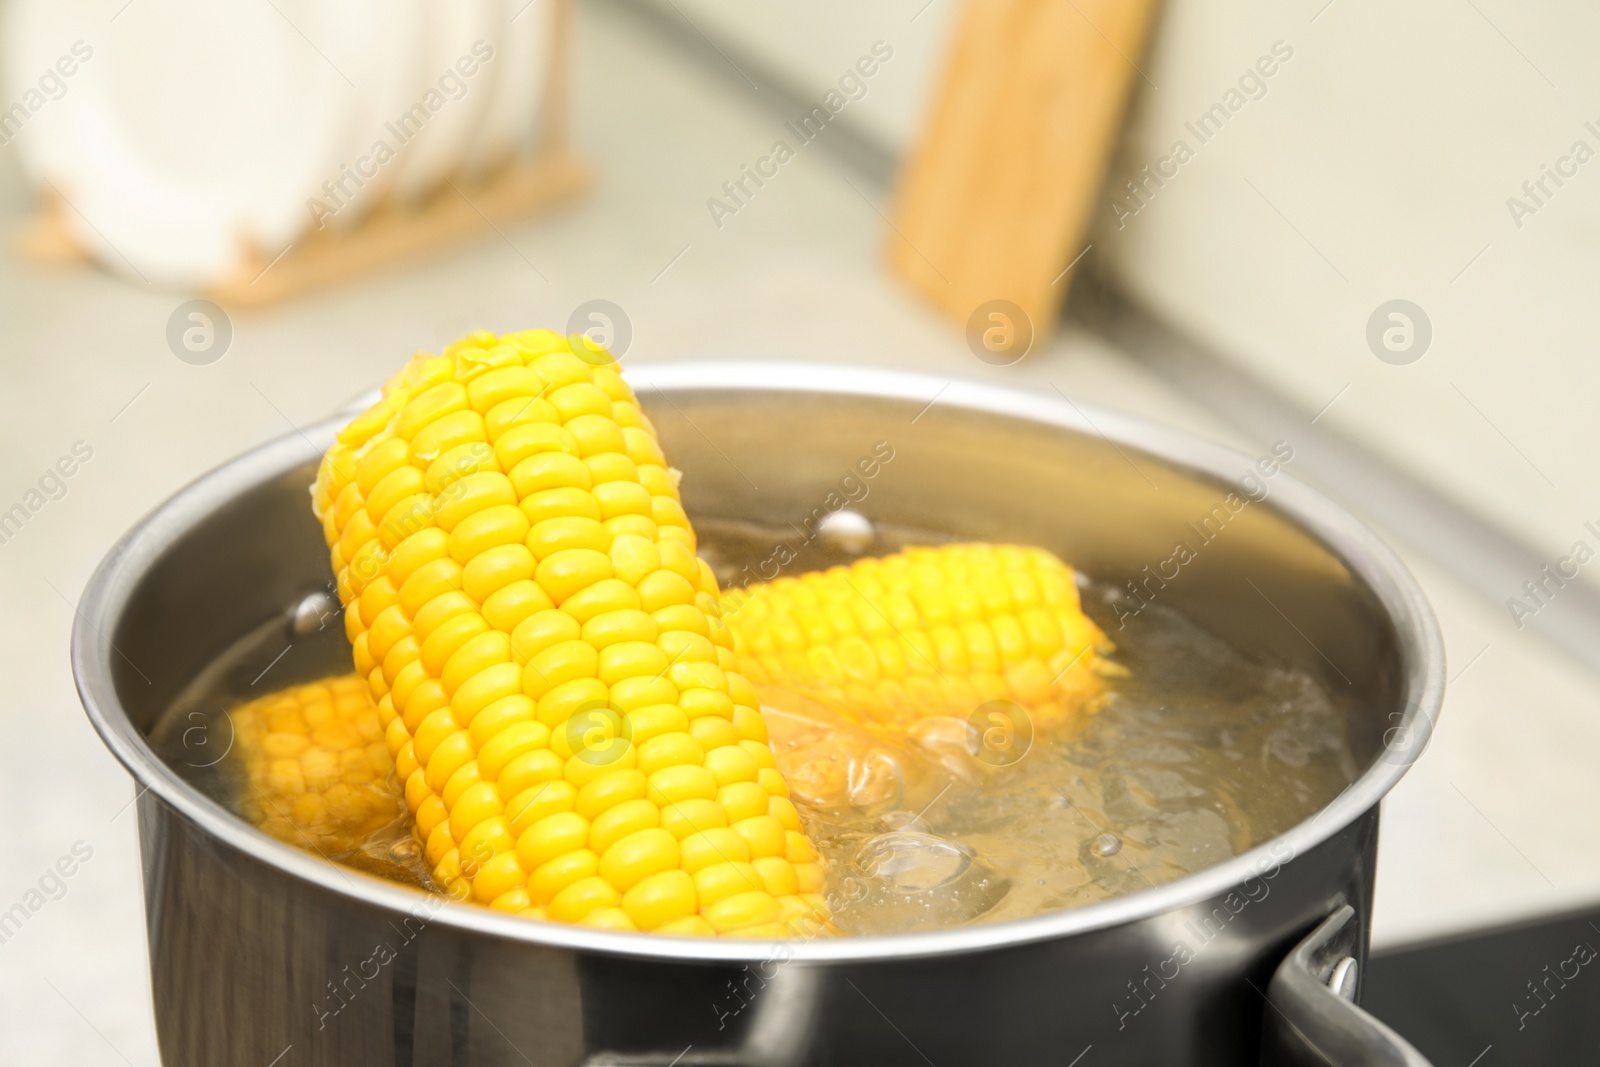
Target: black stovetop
[{"x": 1521, "y": 996}]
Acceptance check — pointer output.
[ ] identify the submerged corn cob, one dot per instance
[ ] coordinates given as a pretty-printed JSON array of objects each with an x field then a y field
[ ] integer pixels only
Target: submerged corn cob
[
  {"x": 926, "y": 631},
  {"x": 318, "y": 773},
  {"x": 560, "y": 696}
]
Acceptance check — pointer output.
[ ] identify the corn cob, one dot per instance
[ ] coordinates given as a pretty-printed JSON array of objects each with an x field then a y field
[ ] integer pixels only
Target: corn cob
[
  {"x": 556, "y": 686},
  {"x": 926, "y": 631},
  {"x": 318, "y": 773}
]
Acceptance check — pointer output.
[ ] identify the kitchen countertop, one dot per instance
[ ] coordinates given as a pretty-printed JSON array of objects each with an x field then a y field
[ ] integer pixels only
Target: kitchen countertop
[{"x": 1494, "y": 824}]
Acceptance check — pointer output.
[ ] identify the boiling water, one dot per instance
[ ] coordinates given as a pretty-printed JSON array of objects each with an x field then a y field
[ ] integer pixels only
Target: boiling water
[{"x": 1199, "y": 754}]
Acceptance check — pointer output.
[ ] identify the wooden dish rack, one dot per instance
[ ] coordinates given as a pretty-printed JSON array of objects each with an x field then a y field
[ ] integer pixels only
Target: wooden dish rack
[{"x": 391, "y": 233}]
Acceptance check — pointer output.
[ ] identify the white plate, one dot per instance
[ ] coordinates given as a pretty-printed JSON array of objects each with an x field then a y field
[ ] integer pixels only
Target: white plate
[
  {"x": 450, "y": 103},
  {"x": 393, "y": 33},
  {"x": 210, "y": 127},
  {"x": 522, "y": 49},
  {"x": 37, "y": 35}
]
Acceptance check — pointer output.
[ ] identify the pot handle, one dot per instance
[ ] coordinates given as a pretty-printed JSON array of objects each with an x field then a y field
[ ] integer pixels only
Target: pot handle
[{"x": 1314, "y": 1020}]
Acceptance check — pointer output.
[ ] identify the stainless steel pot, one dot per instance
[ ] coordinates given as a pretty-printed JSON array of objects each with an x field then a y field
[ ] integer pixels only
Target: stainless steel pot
[{"x": 264, "y": 955}]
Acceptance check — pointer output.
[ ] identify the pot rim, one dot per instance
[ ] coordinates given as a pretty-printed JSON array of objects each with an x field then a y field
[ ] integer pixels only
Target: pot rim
[{"x": 1368, "y": 559}]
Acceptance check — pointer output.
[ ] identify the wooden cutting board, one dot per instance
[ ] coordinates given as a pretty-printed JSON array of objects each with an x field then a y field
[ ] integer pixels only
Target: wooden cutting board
[{"x": 995, "y": 201}]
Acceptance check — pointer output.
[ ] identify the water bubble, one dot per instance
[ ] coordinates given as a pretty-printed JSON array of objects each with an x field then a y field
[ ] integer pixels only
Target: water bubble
[
  {"x": 904, "y": 820},
  {"x": 311, "y": 613},
  {"x": 847, "y": 531},
  {"x": 876, "y": 782},
  {"x": 1105, "y": 846},
  {"x": 405, "y": 851},
  {"x": 910, "y": 862},
  {"x": 919, "y": 881},
  {"x": 821, "y": 777},
  {"x": 949, "y": 742}
]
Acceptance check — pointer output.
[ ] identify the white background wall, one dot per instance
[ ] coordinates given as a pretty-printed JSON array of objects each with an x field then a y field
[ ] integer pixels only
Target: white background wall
[
  {"x": 811, "y": 44},
  {"x": 1377, "y": 166}
]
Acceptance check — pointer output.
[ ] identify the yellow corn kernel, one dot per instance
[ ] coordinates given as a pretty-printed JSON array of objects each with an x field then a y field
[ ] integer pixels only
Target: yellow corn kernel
[
  {"x": 693, "y": 926},
  {"x": 626, "y": 818},
  {"x": 552, "y": 836},
  {"x": 671, "y": 750},
  {"x": 608, "y": 919},
  {"x": 650, "y": 721},
  {"x": 725, "y": 879},
  {"x": 685, "y": 817},
  {"x": 639, "y": 855},
  {"x": 743, "y": 800},
  {"x": 534, "y": 803},
  {"x": 712, "y": 732},
  {"x": 610, "y": 789},
  {"x": 763, "y": 834},
  {"x": 664, "y": 897},
  {"x": 745, "y": 910},
  {"x": 713, "y": 845},
  {"x": 778, "y": 875},
  {"x": 582, "y": 897},
  {"x": 555, "y": 875}
]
